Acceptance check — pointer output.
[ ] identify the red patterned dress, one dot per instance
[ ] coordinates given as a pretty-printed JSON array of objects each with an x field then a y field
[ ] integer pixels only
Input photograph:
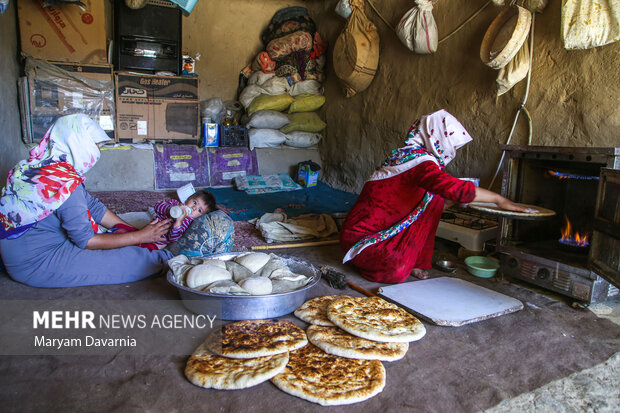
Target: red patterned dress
[{"x": 386, "y": 202}]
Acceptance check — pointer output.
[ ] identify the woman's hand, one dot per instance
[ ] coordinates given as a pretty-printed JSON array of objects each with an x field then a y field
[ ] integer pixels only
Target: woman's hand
[
  {"x": 507, "y": 204},
  {"x": 484, "y": 195},
  {"x": 155, "y": 231}
]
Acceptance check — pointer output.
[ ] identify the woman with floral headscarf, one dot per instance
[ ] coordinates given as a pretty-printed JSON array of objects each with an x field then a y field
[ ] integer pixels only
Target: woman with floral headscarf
[
  {"x": 390, "y": 231},
  {"x": 49, "y": 234}
]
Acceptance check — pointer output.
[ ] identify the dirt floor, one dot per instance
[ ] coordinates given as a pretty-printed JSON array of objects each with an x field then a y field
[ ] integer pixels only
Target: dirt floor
[{"x": 546, "y": 357}]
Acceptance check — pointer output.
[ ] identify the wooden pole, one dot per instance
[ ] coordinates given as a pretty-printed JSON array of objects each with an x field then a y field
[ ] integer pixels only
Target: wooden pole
[{"x": 295, "y": 245}]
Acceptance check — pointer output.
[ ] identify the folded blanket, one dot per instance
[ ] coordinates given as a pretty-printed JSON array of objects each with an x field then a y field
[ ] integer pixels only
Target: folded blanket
[{"x": 264, "y": 184}]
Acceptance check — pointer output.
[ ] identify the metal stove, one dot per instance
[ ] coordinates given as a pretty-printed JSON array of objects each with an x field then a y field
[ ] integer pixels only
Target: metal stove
[{"x": 582, "y": 186}]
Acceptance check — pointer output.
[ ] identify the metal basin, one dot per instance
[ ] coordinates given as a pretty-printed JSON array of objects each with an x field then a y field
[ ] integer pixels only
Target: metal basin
[{"x": 248, "y": 307}]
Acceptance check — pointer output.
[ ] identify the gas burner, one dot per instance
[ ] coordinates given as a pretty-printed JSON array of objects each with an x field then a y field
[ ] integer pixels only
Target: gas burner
[{"x": 470, "y": 229}]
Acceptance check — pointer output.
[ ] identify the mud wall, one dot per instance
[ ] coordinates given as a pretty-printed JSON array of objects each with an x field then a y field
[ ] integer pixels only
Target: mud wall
[{"x": 574, "y": 96}]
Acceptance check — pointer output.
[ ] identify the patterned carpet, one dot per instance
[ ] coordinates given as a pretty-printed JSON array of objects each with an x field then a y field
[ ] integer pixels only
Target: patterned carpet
[{"x": 120, "y": 202}]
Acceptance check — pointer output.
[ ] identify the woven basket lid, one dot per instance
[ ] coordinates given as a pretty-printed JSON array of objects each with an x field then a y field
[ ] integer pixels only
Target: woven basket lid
[{"x": 505, "y": 36}]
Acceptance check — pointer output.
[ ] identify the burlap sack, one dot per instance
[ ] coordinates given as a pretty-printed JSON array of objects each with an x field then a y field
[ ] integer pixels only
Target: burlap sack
[{"x": 356, "y": 52}]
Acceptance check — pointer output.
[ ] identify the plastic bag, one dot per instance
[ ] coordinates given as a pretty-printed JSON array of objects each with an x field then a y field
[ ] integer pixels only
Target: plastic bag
[
  {"x": 417, "y": 29},
  {"x": 515, "y": 71},
  {"x": 343, "y": 9},
  {"x": 213, "y": 108},
  {"x": 590, "y": 23}
]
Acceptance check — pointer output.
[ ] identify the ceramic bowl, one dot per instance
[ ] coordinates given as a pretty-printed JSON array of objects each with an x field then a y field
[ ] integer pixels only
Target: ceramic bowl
[{"x": 482, "y": 267}]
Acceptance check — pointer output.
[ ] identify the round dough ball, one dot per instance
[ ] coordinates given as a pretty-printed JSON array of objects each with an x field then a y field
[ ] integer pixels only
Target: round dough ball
[
  {"x": 204, "y": 274},
  {"x": 257, "y": 285},
  {"x": 212, "y": 261},
  {"x": 253, "y": 261}
]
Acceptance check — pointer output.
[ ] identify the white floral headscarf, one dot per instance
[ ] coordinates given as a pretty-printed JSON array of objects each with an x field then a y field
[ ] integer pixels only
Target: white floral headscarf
[{"x": 37, "y": 186}]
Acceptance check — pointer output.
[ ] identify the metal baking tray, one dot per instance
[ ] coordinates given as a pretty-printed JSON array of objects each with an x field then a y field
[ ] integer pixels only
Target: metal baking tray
[{"x": 248, "y": 307}]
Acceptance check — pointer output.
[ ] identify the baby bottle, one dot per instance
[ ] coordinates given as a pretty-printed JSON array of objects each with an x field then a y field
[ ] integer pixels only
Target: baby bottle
[{"x": 177, "y": 210}]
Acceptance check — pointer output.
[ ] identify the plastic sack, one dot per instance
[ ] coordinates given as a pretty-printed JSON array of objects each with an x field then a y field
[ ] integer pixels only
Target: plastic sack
[
  {"x": 259, "y": 77},
  {"x": 268, "y": 119},
  {"x": 306, "y": 103},
  {"x": 417, "y": 29},
  {"x": 248, "y": 94},
  {"x": 270, "y": 102},
  {"x": 266, "y": 138},
  {"x": 309, "y": 87},
  {"x": 515, "y": 71},
  {"x": 300, "y": 139},
  {"x": 343, "y": 9},
  {"x": 304, "y": 121},
  {"x": 356, "y": 52},
  {"x": 276, "y": 86},
  {"x": 590, "y": 23}
]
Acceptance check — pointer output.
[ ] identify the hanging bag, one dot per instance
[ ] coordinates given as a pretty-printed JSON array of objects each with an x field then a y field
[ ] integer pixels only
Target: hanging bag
[
  {"x": 417, "y": 29},
  {"x": 515, "y": 71},
  {"x": 590, "y": 23},
  {"x": 356, "y": 52}
]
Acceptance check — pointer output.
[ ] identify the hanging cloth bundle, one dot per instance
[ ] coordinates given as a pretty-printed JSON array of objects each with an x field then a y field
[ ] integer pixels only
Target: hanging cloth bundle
[
  {"x": 356, "y": 52},
  {"x": 590, "y": 23},
  {"x": 417, "y": 29}
]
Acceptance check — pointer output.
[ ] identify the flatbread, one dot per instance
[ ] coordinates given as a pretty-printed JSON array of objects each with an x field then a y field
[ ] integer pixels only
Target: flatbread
[
  {"x": 312, "y": 374},
  {"x": 256, "y": 338},
  {"x": 314, "y": 311},
  {"x": 205, "y": 369},
  {"x": 335, "y": 341},
  {"x": 375, "y": 319}
]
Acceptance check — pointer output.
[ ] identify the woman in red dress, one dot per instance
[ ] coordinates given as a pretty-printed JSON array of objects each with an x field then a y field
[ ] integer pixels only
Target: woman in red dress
[{"x": 390, "y": 231}]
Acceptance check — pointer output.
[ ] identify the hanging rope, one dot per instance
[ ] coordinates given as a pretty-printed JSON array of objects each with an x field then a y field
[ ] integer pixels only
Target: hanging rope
[
  {"x": 522, "y": 108},
  {"x": 470, "y": 18}
]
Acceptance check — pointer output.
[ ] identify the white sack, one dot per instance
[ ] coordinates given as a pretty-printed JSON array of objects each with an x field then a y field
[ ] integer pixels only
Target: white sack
[
  {"x": 248, "y": 94},
  {"x": 417, "y": 29},
  {"x": 300, "y": 139},
  {"x": 259, "y": 77},
  {"x": 268, "y": 119},
  {"x": 308, "y": 87},
  {"x": 266, "y": 138}
]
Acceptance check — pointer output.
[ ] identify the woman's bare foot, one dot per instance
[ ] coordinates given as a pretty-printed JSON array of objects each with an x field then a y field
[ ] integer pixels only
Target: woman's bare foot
[{"x": 419, "y": 273}]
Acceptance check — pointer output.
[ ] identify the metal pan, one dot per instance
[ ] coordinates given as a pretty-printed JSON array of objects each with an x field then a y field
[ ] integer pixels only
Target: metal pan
[
  {"x": 248, "y": 307},
  {"x": 534, "y": 212}
]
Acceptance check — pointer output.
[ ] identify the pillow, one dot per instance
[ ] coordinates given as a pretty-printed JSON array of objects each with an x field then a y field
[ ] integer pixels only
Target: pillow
[{"x": 210, "y": 234}]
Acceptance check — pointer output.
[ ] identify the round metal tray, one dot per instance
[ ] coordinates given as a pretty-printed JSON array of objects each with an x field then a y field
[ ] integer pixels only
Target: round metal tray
[{"x": 248, "y": 307}]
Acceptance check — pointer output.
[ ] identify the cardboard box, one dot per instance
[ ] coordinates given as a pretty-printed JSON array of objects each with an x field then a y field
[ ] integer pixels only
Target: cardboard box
[
  {"x": 65, "y": 32},
  {"x": 308, "y": 174},
  {"x": 164, "y": 108},
  {"x": 57, "y": 89}
]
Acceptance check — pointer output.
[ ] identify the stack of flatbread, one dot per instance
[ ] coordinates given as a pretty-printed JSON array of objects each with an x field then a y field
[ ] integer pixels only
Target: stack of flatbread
[
  {"x": 349, "y": 337},
  {"x": 244, "y": 354}
]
